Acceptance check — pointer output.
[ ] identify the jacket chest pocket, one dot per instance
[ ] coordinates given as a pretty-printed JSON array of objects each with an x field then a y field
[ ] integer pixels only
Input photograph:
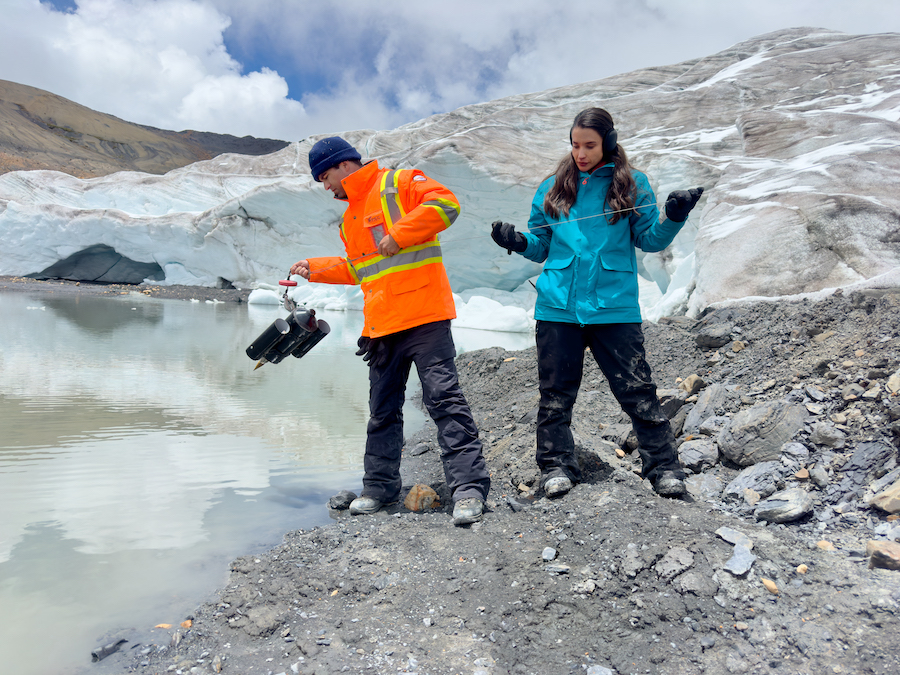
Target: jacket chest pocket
[{"x": 374, "y": 225}]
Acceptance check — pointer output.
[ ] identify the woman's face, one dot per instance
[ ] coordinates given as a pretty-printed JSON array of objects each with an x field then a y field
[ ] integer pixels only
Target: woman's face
[{"x": 587, "y": 148}]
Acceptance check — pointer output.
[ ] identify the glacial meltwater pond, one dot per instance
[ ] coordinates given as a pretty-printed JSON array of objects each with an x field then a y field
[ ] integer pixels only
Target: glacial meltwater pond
[{"x": 140, "y": 453}]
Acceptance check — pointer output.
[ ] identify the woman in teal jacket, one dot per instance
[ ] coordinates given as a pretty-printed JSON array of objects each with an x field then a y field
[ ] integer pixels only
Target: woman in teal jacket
[{"x": 586, "y": 221}]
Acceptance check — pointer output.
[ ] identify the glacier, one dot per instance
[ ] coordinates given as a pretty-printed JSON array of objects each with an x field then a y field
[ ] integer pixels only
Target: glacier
[{"x": 793, "y": 134}]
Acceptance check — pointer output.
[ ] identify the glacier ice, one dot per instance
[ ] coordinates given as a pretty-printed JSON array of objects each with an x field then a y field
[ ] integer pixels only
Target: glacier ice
[{"x": 794, "y": 134}]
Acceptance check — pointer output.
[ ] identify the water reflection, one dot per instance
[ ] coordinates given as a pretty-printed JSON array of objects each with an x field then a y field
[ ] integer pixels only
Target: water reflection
[{"x": 140, "y": 453}]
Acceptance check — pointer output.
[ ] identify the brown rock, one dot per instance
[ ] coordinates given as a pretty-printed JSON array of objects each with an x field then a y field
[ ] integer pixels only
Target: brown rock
[
  {"x": 692, "y": 384},
  {"x": 888, "y": 499},
  {"x": 802, "y": 474},
  {"x": 826, "y": 545},
  {"x": 802, "y": 569},
  {"x": 421, "y": 497},
  {"x": 884, "y": 554},
  {"x": 771, "y": 586}
]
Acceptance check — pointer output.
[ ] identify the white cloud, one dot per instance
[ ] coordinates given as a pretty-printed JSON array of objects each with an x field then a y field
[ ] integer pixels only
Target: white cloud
[
  {"x": 364, "y": 64},
  {"x": 161, "y": 63}
]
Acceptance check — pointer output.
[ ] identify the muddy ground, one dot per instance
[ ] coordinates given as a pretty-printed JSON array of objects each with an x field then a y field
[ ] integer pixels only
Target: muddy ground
[{"x": 610, "y": 578}]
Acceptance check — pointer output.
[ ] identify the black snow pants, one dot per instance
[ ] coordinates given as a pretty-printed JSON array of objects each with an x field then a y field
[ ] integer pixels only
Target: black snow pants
[
  {"x": 431, "y": 348},
  {"x": 619, "y": 351}
]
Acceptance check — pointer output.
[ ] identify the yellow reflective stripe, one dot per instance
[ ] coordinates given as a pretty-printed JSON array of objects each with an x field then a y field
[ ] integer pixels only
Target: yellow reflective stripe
[
  {"x": 408, "y": 258},
  {"x": 447, "y": 209},
  {"x": 403, "y": 268},
  {"x": 353, "y": 274}
]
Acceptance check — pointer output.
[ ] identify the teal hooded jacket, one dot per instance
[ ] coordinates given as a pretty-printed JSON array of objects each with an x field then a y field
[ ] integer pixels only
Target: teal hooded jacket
[{"x": 590, "y": 266}]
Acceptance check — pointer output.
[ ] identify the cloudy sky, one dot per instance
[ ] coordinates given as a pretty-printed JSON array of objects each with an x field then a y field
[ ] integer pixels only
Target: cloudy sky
[{"x": 290, "y": 68}]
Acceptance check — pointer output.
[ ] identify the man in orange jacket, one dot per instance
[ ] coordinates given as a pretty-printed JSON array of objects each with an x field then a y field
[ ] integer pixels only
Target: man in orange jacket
[{"x": 390, "y": 232}]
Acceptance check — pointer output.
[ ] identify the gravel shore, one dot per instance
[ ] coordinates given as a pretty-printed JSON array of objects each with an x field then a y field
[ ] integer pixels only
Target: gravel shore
[
  {"x": 610, "y": 578},
  {"x": 65, "y": 287}
]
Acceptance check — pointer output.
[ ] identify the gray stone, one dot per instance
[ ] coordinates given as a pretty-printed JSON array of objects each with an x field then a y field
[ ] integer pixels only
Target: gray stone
[
  {"x": 558, "y": 568},
  {"x": 677, "y": 420},
  {"x": 617, "y": 434},
  {"x": 671, "y": 400},
  {"x": 698, "y": 583},
  {"x": 814, "y": 393},
  {"x": 794, "y": 453},
  {"x": 709, "y": 401},
  {"x": 599, "y": 670},
  {"x": 757, "y": 434},
  {"x": 341, "y": 500},
  {"x": 698, "y": 454},
  {"x": 761, "y": 478},
  {"x": 824, "y": 433},
  {"x": 893, "y": 383},
  {"x": 819, "y": 475},
  {"x": 704, "y": 486},
  {"x": 714, "y": 336},
  {"x": 712, "y": 426},
  {"x": 735, "y": 537},
  {"x": 419, "y": 449},
  {"x": 741, "y": 561},
  {"x": 674, "y": 562},
  {"x": 852, "y": 392},
  {"x": 785, "y": 506},
  {"x": 548, "y": 554}
]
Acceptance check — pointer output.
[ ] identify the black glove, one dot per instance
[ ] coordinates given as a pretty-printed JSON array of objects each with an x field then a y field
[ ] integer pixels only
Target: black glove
[
  {"x": 680, "y": 203},
  {"x": 374, "y": 352},
  {"x": 506, "y": 236}
]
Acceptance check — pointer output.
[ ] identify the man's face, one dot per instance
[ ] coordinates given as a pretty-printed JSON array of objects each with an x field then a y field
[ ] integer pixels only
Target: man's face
[{"x": 332, "y": 178}]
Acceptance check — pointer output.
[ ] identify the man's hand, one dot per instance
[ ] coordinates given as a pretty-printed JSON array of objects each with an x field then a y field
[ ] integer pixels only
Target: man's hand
[
  {"x": 374, "y": 351},
  {"x": 387, "y": 246},
  {"x": 301, "y": 268}
]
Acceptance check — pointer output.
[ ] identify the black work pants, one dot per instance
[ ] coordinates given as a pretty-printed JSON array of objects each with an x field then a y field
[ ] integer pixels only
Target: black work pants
[
  {"x": 619, "y": 351},
  {"x": 431, "y": 348}
]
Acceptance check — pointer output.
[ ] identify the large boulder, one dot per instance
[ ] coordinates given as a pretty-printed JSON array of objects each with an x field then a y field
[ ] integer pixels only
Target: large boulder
[{"x": 757, "y": 434}]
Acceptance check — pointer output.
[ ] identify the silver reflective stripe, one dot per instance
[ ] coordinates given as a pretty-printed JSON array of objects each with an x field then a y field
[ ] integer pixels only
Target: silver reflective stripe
[
  {"x": 448, "y": 210},
  {"x": 390, "y": 198},
  {"x": 408, "y": 258}
]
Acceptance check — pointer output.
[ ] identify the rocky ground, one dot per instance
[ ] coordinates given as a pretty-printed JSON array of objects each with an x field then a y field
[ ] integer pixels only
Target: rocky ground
[
  {"x": 791, "y": 437},
  {"x": 66, "y": 287}
]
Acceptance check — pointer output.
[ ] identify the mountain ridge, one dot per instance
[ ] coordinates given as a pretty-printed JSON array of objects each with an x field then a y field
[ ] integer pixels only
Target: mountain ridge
[{"x": 40, "y": 130}]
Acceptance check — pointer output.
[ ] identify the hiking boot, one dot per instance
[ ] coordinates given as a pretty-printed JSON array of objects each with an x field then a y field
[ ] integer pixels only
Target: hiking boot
[
  {"x": 557, "y": 486},
  {"x": 467, "y": 511},
  {"x": 363, "y": 506},
  {"x": 669, "y": 485}
]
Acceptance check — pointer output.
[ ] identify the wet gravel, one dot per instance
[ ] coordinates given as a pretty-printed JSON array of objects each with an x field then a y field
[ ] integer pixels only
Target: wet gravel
[{"x": 610, "y": 578}]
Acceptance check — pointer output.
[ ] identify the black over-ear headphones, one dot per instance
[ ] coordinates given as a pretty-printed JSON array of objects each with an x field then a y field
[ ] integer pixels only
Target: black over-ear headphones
[{"x": 610, "y": 141}]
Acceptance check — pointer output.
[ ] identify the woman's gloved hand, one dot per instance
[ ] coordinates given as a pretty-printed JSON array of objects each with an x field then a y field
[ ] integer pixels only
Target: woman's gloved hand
[
  {"x": 680, "y": 203},
  {"x": 506, "y": 236}
]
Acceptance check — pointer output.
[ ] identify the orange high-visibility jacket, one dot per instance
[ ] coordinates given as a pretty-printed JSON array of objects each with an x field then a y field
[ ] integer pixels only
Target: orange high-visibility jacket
[{"x": 411, "y": 287}]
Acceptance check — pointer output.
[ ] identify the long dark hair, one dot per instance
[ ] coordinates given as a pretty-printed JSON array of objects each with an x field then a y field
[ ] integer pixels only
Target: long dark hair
[{"x": 621, "y": 194}]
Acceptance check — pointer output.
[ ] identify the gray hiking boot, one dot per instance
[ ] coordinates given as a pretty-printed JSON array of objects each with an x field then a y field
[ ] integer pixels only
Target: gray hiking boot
[
  {"x": 467, "y": 511},
  {"x": 363, "y": 506},
  {"x": 557, "y": 486},
  {"x": 669, "y": 485}
]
